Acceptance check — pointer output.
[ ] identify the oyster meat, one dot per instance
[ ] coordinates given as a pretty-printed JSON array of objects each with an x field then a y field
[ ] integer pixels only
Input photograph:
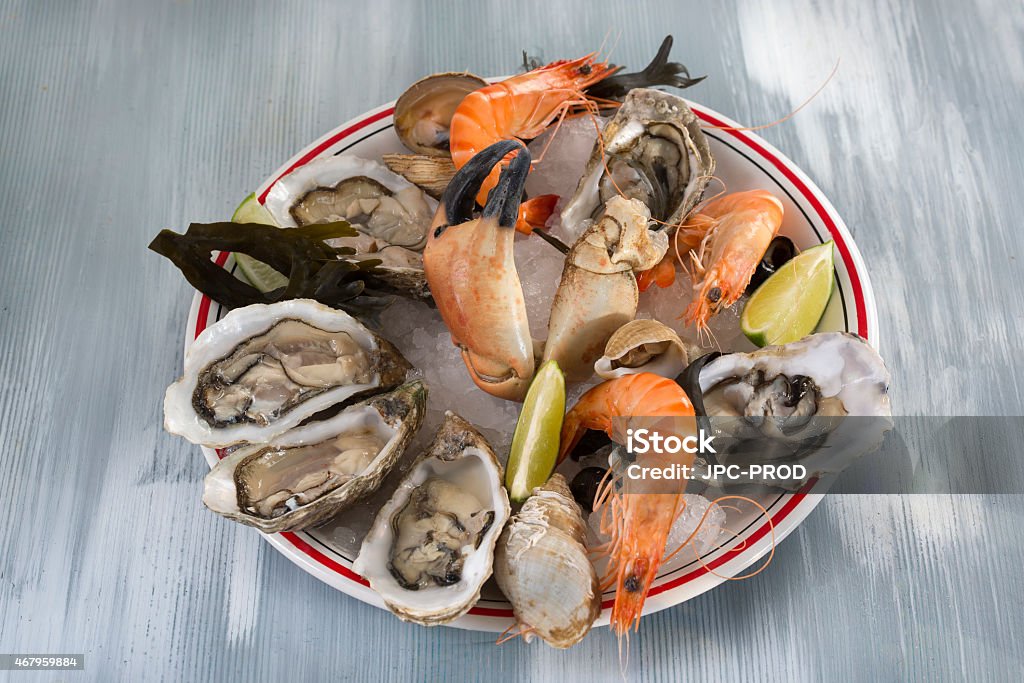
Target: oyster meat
[
  {"x": 821, "y": 402},
  {"x": 431, "y": 546},
  {"x": 310, "y": 473},
  {"x": 391, "y": 215},
  {"x": 653, "y": 150},
  {"x": 263, "y": 369}
]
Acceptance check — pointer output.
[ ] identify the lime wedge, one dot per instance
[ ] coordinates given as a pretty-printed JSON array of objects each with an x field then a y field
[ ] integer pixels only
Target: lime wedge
[
  {"x": 535, "y": 442},
  {"x": 789, "y": 304},
  {"x": 259, "y": 274}
]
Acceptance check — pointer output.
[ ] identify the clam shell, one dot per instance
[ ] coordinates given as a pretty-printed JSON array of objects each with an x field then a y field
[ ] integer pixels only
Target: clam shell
[
  {"x": 429, "y": 173},
  {"x": 542, "y": 567},
  {"x": 432, "y": 101},
  {"x": 633, "y": 337},
  {"x": 396, "y": 416},
  {"x": 456, "y": 443}
]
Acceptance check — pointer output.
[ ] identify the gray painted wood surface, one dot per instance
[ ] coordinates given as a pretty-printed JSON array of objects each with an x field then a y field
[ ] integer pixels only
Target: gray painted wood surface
[{"x": 118, "y": 118}]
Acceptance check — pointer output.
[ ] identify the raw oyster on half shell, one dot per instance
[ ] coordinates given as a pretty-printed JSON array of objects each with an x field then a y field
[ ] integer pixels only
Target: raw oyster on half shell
[
  {"x": 431, "y": 546},
  {"x": 310, "y": 473},
  {"x": 264, "y": 369},
  {"x": 391, "y": 214}
]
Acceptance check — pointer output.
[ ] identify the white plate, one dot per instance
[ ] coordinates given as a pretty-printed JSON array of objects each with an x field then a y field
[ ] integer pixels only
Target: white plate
[{"x": 744, "y": 161}]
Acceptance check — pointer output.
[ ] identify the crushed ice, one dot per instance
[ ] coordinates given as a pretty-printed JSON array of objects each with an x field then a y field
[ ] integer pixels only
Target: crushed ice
[{"x": 419, "y": 333}]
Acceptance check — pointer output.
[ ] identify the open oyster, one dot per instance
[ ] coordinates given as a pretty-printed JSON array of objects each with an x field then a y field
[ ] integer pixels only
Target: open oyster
[
  {"x": 821, "y": 402},
  {"x": 431, "y": 547},
  {"x": 653, "y": 150},
  {"x": 263, "y": 369},
  {"x": 311, "y": 472},
  {"x": 391, "y": 215}
]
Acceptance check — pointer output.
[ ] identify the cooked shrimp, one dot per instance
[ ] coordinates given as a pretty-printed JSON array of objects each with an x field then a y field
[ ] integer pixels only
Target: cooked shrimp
[
  {"x": 643, "y": 395},
  {"x": 520, "y": 108},
  {"x": 637, "y": 518},
  {"x": 726, "y": 239}
]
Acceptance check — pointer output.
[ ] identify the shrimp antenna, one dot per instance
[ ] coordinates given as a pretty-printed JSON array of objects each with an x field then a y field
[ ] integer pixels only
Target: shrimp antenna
[
  {"x": 506, "y": 636},
  {"x": 790, "y": 114},
  {"x": 771, "y": 555}
]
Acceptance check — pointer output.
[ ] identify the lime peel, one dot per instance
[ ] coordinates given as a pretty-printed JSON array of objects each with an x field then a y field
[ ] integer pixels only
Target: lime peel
[
  {"x": 534, "y": 448},
  {"x": 259, "y": 274},
  {"x": 789, "y": 304}
]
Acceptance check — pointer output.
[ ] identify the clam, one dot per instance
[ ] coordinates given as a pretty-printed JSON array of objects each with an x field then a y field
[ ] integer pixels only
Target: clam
[
  {"x": 542, "y": 567},
  {"x": 264, "y": 369},
  {"x": 390, "y": 214},
  {"x": 653, "y": 150},
  {"x": 431, "y": 546},
  {"x": 430, "y": 174},
  {"x": 642, "y": 346},
  {"x": 423, "y": 113},
  {"x": 313, "y": 471}
]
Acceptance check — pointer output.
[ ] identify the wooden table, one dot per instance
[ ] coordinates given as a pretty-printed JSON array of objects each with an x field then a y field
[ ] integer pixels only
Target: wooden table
[{"x": 122, "y": 117}]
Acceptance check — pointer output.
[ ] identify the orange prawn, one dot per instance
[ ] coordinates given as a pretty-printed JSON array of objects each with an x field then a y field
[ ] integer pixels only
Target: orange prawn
[
  {"x": 521, "y": 108},
  {"x": 726, "y": 240},
  {"x": 637, "y": 518}
]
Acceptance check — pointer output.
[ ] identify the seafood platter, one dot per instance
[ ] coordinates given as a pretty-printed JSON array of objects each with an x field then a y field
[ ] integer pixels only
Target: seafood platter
[{"x": 410, "y": 345}]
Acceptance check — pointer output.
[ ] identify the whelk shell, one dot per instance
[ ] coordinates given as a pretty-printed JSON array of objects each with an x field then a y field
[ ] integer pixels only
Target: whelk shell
[
  {"x": 541, "y": 566},
  {"x": 642, "y": 346}
]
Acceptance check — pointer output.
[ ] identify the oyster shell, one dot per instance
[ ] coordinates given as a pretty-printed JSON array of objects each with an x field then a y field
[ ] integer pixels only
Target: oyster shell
[
  {"x": 264, "y": 369},
  {"x": 821, "y": 402},
  {"x": 310, "y": 473},
  {"x": 431, "y": 546},
  {"x": 391, "y": 215},
  {"x": 642, "y": 346},
  {"x": 542, "y": 567},
  {"x": 654, "y": 151},
  {"x": 423, "y": 113}
]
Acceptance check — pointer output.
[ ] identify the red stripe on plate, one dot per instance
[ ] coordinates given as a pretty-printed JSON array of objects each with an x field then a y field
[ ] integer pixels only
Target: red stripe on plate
[
  {"x": 316, "y": 151},
  {"x": 791, "y": 504},
  {"x": 844, "y": 250},
  {"x": 300, "y": 544},
  {"x": 204, "y": 303}
]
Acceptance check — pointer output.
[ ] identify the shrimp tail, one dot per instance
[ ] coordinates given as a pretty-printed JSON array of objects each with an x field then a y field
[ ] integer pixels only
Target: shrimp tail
[{"x": 534, "y": 212}]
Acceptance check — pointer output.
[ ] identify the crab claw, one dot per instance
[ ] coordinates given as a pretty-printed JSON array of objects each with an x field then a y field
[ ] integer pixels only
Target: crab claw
[{"x": 471, "y": 270}]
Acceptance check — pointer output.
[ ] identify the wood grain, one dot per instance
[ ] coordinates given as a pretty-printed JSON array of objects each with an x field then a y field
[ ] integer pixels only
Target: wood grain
[{"x": 118, "y": 118}]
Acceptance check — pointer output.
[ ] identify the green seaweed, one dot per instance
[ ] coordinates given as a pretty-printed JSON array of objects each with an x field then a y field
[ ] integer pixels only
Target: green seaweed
[{"x": 315, "y": 269}]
